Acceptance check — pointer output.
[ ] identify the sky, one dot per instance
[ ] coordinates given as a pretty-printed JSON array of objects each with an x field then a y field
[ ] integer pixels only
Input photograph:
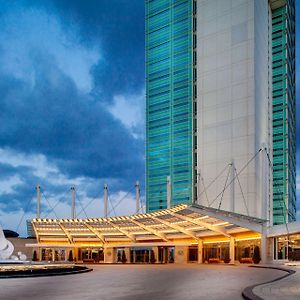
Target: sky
[
  {"x": 72, "y": 107},
  {"x": 72, "y": 98}
]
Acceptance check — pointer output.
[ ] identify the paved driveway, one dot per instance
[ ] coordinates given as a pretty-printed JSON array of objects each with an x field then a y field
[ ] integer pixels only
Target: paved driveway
[
  {"x": 287, "y": 288},
  {"x": 140, "y": 282}
]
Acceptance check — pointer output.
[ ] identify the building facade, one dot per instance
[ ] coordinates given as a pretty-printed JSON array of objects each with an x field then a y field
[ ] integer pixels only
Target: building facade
[
  {"x": 283, "y": 90},
  {"x": 220, "y": 98}
]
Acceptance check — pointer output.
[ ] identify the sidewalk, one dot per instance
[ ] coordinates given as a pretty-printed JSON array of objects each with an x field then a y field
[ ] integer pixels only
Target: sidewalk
[{"x": 286, "y": 288}]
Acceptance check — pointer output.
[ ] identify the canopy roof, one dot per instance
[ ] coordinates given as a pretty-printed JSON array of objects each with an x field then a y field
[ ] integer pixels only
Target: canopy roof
[{"x": 182, "y": 223}]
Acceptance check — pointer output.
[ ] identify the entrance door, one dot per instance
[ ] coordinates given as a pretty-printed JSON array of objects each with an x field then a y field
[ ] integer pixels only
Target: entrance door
[
  {"x": 193, "y": 254},
  {"x": 165, "y": 255}
]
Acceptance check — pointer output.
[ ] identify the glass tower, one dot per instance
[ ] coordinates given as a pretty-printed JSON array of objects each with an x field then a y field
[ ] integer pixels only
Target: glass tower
[
  {"x": 169, "y": 106},
  {"x": 283, "y": 90},
  {"x": 220, "y": 83}
]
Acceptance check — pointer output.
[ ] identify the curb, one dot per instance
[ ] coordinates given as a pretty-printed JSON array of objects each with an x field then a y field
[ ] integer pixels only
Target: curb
[
  {"x": 248, "y": 291},
  {"x": 9, "y": 275}
]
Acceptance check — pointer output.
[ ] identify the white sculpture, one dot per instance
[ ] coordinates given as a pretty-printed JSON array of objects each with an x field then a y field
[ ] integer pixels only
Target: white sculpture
[{"x": 6, "y": 247}]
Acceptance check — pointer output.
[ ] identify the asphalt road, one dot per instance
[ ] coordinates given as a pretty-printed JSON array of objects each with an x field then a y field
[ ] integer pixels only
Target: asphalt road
[{"x": 140, "y": 282}]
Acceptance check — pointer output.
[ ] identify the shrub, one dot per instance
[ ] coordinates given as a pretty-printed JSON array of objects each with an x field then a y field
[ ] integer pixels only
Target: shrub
[
  {"x": 119, "y": 257},
  {"x": 152, "y": 257},
  {"x": 34, "y": 257},
  {"x": 256, "y": 255},
  {"x": 70, "y": 256},
  {"x": 124, "y": 259}
]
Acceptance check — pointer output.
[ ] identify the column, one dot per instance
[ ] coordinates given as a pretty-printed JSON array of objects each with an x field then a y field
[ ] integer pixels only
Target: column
[
  {"x": 137, "y": 197},
  {"x": 105, "y": 200},
  {"x": 53, "y": 254},
  {"x": 108, "y": 255},
  {"x": 155, "y": 250},
  {"x": 127, "y": 253},
  {"x": 200, "y": 252},
  {"x": 181, "y": 254},
  {"x": 73, "y": 202},
  {"x": 232, "y": 188},
  {"x": 231, "y": 250},
  {"x": 168, "y": 192},
  {"x": 38, "y": 190},
  {"x": 263, "y": 248}
]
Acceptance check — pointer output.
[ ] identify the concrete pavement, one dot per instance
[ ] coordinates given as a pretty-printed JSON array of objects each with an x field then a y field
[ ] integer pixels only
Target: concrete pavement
[
  {"x": 135, "y": 282},
  {"x": 287, "y": 288}
]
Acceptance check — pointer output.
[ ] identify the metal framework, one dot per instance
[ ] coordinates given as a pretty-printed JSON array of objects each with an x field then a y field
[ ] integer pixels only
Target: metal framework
[{"x": 181, "y": 223}]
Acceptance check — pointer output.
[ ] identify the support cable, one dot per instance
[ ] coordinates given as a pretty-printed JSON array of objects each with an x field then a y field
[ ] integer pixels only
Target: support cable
[
  {"x": 114, "y": 207},
  {"x": 212, "y": 182},
  {"x": 245, "y": 166},
  {"x": 56, "y": 204},
  {"x": 88, "y": 204},
  {"x": 224, "y": 187},
  {"x": 50, "y": 205},
  {"x": 244, "y": 199},
  {"x": 82, "y": 208},
  {"x": 204, "y": 189},
  {"x": 23, "y": 215}
]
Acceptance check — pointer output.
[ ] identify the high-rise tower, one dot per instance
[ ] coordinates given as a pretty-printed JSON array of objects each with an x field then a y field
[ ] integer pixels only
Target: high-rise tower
[{"x": 218, "y": 72}]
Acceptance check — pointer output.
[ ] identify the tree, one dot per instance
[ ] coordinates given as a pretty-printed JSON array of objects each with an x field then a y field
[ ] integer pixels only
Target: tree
[
  {"x": 152, "y": 257},
  {"x": 34, "y": 257},
  {"x": 70, "y": 256},
  {"x": 227, "y": 257},
  {"x": 124, "y": 259},
  {"x": 256, "y": 255},
  {"x": 119, "y": 257}
]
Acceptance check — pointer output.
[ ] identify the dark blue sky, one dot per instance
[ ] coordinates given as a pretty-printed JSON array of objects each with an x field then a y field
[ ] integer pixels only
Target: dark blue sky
[{"x": 71, "y": 104}]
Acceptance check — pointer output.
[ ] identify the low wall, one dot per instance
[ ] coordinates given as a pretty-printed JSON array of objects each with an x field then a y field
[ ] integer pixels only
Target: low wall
[{"x": 19, "y": 246}]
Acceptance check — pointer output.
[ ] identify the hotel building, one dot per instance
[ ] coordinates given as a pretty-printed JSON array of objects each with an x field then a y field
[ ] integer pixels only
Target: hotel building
[
  {"x": 220, "y": 155},
  {"x": 220, "y": 85}
]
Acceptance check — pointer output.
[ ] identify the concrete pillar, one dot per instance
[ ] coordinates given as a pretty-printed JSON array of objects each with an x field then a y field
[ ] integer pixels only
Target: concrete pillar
[
  {"x": 73, "y": 202},
  {"x": 232, "y": 187},
  {"x": 38, "y": 208},
  {"x": 155, "y": 250},
  {"x": 181, "y": 253},
  {"x": 265, "y": 174},
  {"x": 127, "y": 253},
  {"x": 231, "y": 250},
  {"x": 53, "y": 254},
  {"x": 39, "y": 253},
  {"x": 198, "y": 188},
  {"x": 105, "y": 200},
  {"x": 200, "y": 252},
  {"x": 264, "y": 245},
  {"x": 137, "y": 197},
  {"x": 109, "y": 255},
  {"x": 168, "y": 192},
  {"x": 75, "y": 254}
]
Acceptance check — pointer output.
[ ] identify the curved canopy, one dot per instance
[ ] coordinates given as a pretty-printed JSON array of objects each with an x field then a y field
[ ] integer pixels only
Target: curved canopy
[{"x": 183, "y": 223}]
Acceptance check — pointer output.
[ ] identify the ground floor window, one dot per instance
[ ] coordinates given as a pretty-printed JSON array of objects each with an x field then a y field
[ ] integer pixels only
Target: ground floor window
[
  {"x": 287, "y": 247},
  {"x": 94, "y": 255},
  {"x": 244, "y": 250},
  {"x": 216, "y": 252},
  {"x": 138, "y": 255},
  {"x": 193, "y": 254},
  {"x": 53, "y": 254},
  {"x": 166, "y": 255}
]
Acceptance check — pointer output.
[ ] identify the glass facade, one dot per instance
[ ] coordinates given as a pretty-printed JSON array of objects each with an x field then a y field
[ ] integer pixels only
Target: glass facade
[
  {"x": 169, "y": 104},
  {"x": 283, "y": 80}
]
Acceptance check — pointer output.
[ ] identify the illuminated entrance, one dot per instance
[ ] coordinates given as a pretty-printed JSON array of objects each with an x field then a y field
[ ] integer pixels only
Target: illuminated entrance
[{"x": 181, "y": 234}]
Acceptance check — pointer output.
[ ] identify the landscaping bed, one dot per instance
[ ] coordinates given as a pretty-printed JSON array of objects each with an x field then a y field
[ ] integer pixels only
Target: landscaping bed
[{"x": 34, "y": 270}]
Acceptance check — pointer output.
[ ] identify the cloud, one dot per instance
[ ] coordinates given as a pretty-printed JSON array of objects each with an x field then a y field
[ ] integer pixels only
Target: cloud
[
  {"x": 63, "y": 93},
  {"x": 24, "y": 32},
  {"x": 130, "y": 111}
]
